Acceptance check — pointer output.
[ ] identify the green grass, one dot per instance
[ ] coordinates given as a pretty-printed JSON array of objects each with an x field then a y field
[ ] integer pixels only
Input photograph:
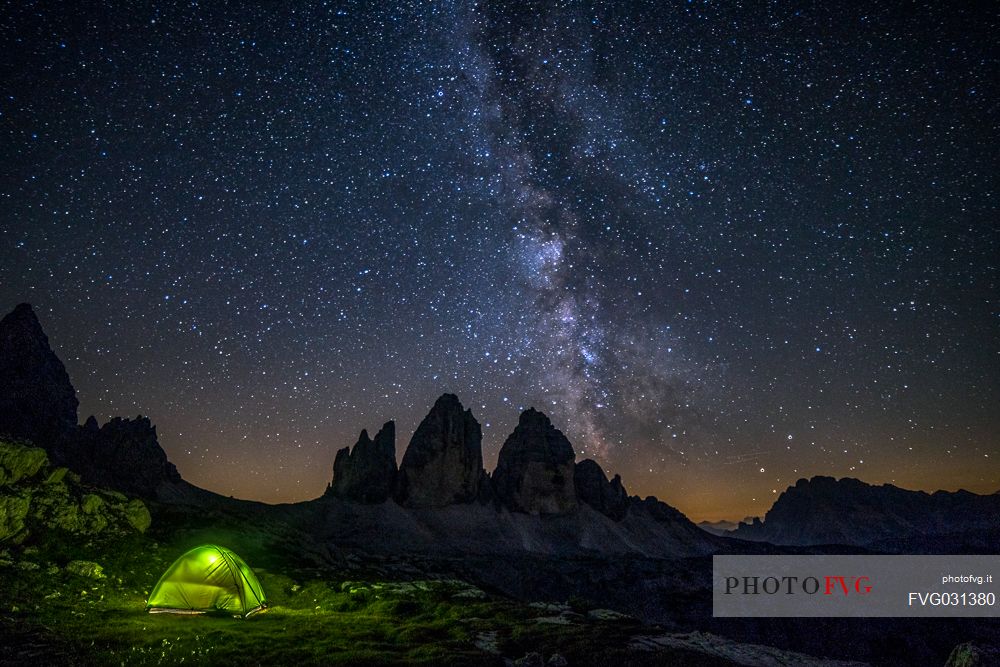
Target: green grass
[
  {"x": 280, "y": 636},
  {"x": 316, "y": 615},
  {"x": 311, "y": 622}
]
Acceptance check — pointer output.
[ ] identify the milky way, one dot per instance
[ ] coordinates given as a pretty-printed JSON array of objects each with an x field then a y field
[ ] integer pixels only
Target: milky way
[{"x": 722, "y": 246}]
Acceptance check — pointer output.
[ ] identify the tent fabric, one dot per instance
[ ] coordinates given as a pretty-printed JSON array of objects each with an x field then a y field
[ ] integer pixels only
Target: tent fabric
[{"x": 208, "y": 578}]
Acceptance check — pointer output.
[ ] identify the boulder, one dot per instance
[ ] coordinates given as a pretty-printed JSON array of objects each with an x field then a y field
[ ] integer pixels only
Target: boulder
[
  {"x": 13, "y": 513},
  {"x": 54, "y": 508},
  {"x": 443, "y": 465},
  {"x": 85, "y": 568},
  {"x": 969, "y": 654},
  {"x": 593, "y": 488},
  {"x": 367, "y": 473},
  {"x": 535, "y": 471},
  {"x": 137, "y": 515},
  {"x": 532, "y": 659},
  {"x": 37, "y": 401},
  {"x": 50, "y": 499},
  {"x": 18, "y": 461},
  {"x": 56, "y": 476},
  {"x": 91, "y": 503}
]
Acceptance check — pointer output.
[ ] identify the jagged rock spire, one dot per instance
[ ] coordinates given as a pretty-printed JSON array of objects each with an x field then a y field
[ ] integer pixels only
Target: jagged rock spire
[
  {"x": 592, "y": 487},
  {"x": 443, "y": 465},
  {"x": 535, "y": 470},
  {"x": 367, "y": 473}
]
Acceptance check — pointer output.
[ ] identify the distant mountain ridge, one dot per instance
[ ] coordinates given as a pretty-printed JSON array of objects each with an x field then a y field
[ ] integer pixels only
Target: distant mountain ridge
[
  {"x": 824, "y": 510},
  {"x": 723, "y": 526}
]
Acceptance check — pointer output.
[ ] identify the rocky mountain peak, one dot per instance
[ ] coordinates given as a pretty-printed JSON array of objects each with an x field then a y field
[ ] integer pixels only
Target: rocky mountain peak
[
  {"x": 535, "y": 469},
  {"x": 592, "y": 487},
  {"x": 443, "y": 464},
  {"x": 37, "y": 400},
  {"x": 124, "y": 454},
  {"x": 824, "y": 510},
  {"x": 534, "y": 420},
  {"x": 23, "y": 316},
  {"x": 367, "y": 473}
]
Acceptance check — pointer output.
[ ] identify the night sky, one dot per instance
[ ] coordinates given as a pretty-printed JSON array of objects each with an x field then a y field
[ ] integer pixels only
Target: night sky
[{"x": 723, "y": 246}]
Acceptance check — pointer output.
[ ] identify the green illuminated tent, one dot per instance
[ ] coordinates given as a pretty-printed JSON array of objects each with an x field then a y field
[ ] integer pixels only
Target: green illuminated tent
[{"x": 208, "y": 578}]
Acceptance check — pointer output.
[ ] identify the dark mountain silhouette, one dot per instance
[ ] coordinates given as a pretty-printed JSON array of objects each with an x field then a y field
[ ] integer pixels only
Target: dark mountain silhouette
[
  {"x": 367, "y": 473},
  {"x": 723, "y": 526},
  {"x": 592, "y": 487},
  {"x": 38, "y": 404},
  {"x": 37, "y": 401},
  {"x": 823, "y": 510},
  {"x": 122, "y": 454},
  {"x": 535, "y": 468},
  {"x": 444, "y": 463},
  {"x": 439, "y": 497},
  {"x": 538, "y": 500}
]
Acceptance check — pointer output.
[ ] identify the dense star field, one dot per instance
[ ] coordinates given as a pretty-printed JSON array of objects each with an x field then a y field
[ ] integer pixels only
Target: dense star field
[{"x": 723, "y": 247}]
